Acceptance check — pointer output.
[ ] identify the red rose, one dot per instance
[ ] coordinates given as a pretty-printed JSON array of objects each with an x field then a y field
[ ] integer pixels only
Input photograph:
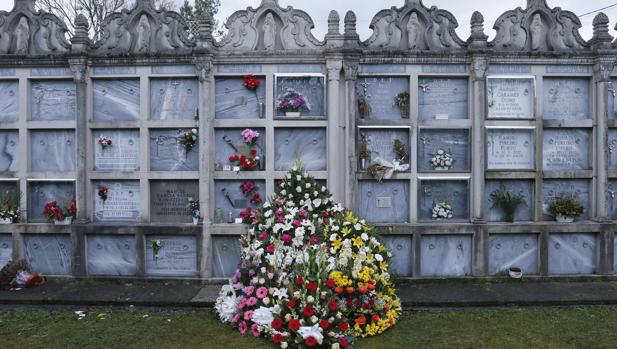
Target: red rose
[
  {"x": 233, "y": 158},
  {"x": 311, "y": 286},
  {"x": 375, "y": 317},
  {"x": 344, "y": 342},
  {"x": 308, "y": 311},
  {"x": 343, "y": 326},
  {"x": 324, "y": 324},
  {"x": 291, "y": 304},
  {"x": 299, "y": 281},
  {"x": 332, "y": 306},
  {"x": 293, "y": 324},
  {"x": 253, "y": 152},
  {"x": 277, "y": 324},
  {"x": 310, "y": 341},
  {"x": 277, "y": 338},
  {"x": 361, "y": 320},
  {"x": 330, "y": 283}
]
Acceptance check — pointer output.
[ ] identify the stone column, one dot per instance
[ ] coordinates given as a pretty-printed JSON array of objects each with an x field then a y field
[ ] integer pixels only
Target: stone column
[
  {"x": 80, "y": 71},
  {"x": 602, "y": 71},
  {"x": 336, "y": 131},
  {"x": 478, "y": 76},
  {"x": 351, "y": 162}
]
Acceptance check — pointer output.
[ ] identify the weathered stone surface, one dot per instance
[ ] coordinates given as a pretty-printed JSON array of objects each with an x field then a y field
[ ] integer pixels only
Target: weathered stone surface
[
  {"x": 9, "y": 145},
  {"x": 234, "y": 101},
  {"x": 572, "y": 254},
  {"x": 52, "y": 150},
  {"x": 111, "y": 255},
  {"x": 510, "y": 149},
  {"x": 48, "y": 253},
  {"x": 386, "y": 202},
  {"x": 513, "y": 250},
  {"x": 52, "y": 100},
  {"x": 380, "y": 92},
  {"x": 122, "y": 155},
  {"x": 566, "y": 98},
  {"x": 168, "y": 154},
  {"x": 168, "y": 200},
  {"x": 225, "y": 255},
  {"x": 402, "y": 261},
  {"x": 443, "y": 98},
  {"x": 308, "y": 143},
  {"x": 177, "y": 256},
  {"x": 174, "y": 99},
  {"x": 122, "y": 204},
  {"x": 9, "y": 101},
  {"x": 445, "y": 255},
  {"x": 116, "y": 99}
]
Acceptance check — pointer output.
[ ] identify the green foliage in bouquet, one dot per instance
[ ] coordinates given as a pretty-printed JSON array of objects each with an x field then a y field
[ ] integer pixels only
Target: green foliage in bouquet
[
  {"x": 566, "y": 206},
  {"x": 507, "y": 202}
]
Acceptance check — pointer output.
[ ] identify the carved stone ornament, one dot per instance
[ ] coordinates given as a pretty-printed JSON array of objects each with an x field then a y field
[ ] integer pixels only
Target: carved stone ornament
[
  {"x": 25, "y": 31},
  {"x": 269, "y": 27},
  {"x": 538, "y": 28},
  {"x": 144, "y": 30},
  {"x": 414, "y": 27},
  {"x": 604, "y": 68},
  {"x": 203, "y": 68}
]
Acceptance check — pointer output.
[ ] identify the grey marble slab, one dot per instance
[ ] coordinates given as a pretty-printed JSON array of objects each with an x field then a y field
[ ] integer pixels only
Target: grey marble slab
[
  {"x": 380, "y": 92},
  {"x": 51, "y": 72},
  {"x": 122, "y": 155},
  {"x": 168, "y": 200},
  {"x": 445, "y": 255},
  {"x": 444, "y": 68},
  {"x": 6, "y": 249},
  {"x": 565, "y": 149},
  {"x": 302, "y": 68},
  {"x": 571, "y": 254},
  {"x": 9, "y": 101},
  {"x": 386, "y": 202},
  {"x": 612, "y": 149},
  {"x": 177, "y": 257},
  {"x": 168, "y": 154},
  {"x": 52, "y": 100},
  {"x": 312, "y": 88},
  {"x": 382, "y": 68},
  {"x": 52, "y": 150},
  {"x": 122, "y": 204},
  {"x": 402, "y": 260},
  {"x": 510, "y": 149},
  {"x": 577, "y": 188},
  {"x": 443, "y": 98},
  {"x": 235, "y": 202},
  {"x": 611, "y": 198},
  {"x": 39, "y": 193},
  {"x": 455, "y": 192},
  {"x": 7, "y": 72},
  {"x": 510, "y": 98},
  {"x": 509, "y": 69},
  {"x": 49, "y": 254},
  {"x": 524, "y": 212},
  {"x": 174, "y": 99},
  {"x": 9, "y": 145},
  {"x": 224, "y": 150},
  {"x": 234, "y": 101},
  {"x": 612, "y": 101},
  {"x": 111, "y": 70},
  {"x": 111, "y": 255},
  {"x": 577, "y": 69},
  {"x": 115, "y": 99},
  {"x": 6, "y": 186},
  {"x": 566, "y": 98},
  {"x": 225, "y": 255},
  {"x": 513, "y": 250},
  {"x": 453, "y": 141},
  {"x": 380, "y": 142},
  {"x": 239, "y": 68},
  {"x": 309, "y": 143},
  {"x": 173, "y": 69}
]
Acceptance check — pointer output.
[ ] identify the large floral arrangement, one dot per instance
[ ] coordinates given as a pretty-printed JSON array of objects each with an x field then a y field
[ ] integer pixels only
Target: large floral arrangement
[
  {"x": 311, "y": 273},
  {"x": 292, "y": 101}
]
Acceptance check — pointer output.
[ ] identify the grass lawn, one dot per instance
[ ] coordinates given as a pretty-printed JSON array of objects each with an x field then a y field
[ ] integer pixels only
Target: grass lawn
[{"x": 585, "y": 327}]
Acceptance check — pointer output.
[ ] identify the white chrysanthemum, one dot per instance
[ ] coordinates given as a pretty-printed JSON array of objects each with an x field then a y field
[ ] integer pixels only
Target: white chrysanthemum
[
  {"x": 263, "y": 316},
  {"x": 225, "y": 305}
]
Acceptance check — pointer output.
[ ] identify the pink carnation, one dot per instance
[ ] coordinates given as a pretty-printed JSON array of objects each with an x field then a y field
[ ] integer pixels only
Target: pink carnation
[
  {"x": 242, "y": 327},
  {"x": 248, "y": 315},
  {"x": 255, "y": 330},
  {"x": 251, "y": 302},
  {"x": 270, "y": 248},
  {"x": 262, "y": 292}
]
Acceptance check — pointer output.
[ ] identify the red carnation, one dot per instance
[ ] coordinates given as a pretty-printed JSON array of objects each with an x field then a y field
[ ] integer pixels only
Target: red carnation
[
  {"x": 291, "y": 304},
  {"x": 253, "y": 152},
  {"x": 278, "y": 338},
  {"x": 344, "y": 342},
  {"x": 343, "y": 326},
  {"x": 293, "y": 324},
  {"x": 308, "y": 311},
  {"x": 324, "y": 324},
  {"x": 299, "y": 281},
  {"x": 311, "y": 286},
  {"x": 375, "y": 317},
  {"x": 277, "y": 324},
  {"x": 310, "y": 341},
  {"x": 330, "y": 283},
  {"x": 233, "y": 158},
  {"x": 332, "y": 306},
  {"x": 361, "y": 320}
]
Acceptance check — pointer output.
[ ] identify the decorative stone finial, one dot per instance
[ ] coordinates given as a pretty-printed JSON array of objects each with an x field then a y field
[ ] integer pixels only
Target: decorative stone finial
[
  {"x": 350, "y": 23},
  {"x": 204, "y": 36},
  {"x": 600, "y": 37},
  {"x": 25, "y": 5},
  {"x": 81, "y": 22},
  {"x": 333, "y": 23},
  {"x": 536, "y": 3},
  {"x": 80, "y": 39},
  {"x": 478, "y": 38}
]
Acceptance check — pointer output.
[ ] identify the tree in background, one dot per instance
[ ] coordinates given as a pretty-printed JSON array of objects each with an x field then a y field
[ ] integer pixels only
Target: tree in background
[{"x": 192, "y": 14}]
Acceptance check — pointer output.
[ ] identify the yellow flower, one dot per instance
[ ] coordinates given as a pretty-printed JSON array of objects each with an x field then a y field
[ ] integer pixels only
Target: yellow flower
[
  {"x": 350, "y": 218},
  {"x": 357, "y": 241},
  {"x": 346, "y": 231},
  {"x": 337, "y": 244}
]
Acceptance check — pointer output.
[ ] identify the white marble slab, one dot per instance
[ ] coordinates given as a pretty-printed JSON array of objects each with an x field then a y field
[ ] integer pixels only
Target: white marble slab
[
  {"x": 113, "y": 255},
  {"x": 513, "y": 250},
  {"x": 570, "y": 254},
  {"x": 445, "y": 255},
  {"x": 48, "y": 254}
]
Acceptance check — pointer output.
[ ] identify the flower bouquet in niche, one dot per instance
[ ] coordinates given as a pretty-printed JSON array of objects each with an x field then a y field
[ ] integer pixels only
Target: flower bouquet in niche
[
  {"x": 188, "y": 138},
  {"x": 292, "y": 103},
  {"x": 442, "y": 160},
  {"x": 565, "y": 209},
  {"x": 251, "y": 83},
  {"x": 245, "y": 157},
  {"x": 311, "y": 274},
  {"x": 9, "y": 207},
  {"x": 442, "y": 210},
  {"x": 104, "y": 142},
  {"x": 192, "y": 207},
  {"x": 60, "y": 215}
]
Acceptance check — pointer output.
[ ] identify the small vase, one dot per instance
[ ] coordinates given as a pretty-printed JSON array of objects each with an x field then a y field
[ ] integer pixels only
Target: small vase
[
  {"x": 564, "y": 219},
  {"x": 363, "y": 164},
  {"x": 261, "y": 110},
  {"x": 195, "y": 220},
  {"x": 6, "y": 221},
  {"x": 66, "y": 221},
  {"x": 292, "y": 114},
  {"x": 515, "y": 273}
]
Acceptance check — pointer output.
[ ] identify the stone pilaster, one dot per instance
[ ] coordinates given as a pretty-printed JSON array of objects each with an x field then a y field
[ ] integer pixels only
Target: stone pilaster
[
  {"x": 336, "y": 130},
  {"x": 79, "y": 68},
  {"x": 350, "y": 67},
  {"x": 478, "y": 75}
]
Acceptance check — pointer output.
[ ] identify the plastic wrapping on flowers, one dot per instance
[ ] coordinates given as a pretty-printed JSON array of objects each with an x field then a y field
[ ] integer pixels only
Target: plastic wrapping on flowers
[{"x": 311, "y": 273}]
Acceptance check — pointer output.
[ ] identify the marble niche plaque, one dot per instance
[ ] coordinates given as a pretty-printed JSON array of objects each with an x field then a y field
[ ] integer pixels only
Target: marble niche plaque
[
  {"x": 177, "y": 257},
  {"x": 174, "y": 99},
  {"x": 443, "y": 98},
  {"x": 309, "y": 143},
  {"x": 380, "y": 92},
  {"x": 168, "y": 200},
  {"x": 453, "y": 141},
  {"x": 510, "y": 97},
  {"x": 311, "y": 87},
  {"x": 228, "y": 141},
  {"x": 234, "y": 101},
  {"x": 571, "y": 254},
  {"x": 386, "y": 202},
  {"x": 168, "y": 154},
  {"x": 445, "y": 255},
  {"x": 576, "y": 188},
  {"x": 566, "y": 98},
  {"x": 510, "y": 149},
  {"x": 611, "y": 199},
  {"x": 229, "y": 198},
  {"x": 111, "y": 255},
  {"x": 52, "y": 150},
  {"x": 225, "y": 255},
  {"x": 6, "y": 248},
  {"x": 122, "y": 204},
  {"x": 612, "y": 101},
  {"x": 380, "y": 142},
  {"x": 39, "y": 193},
  {"x": 48, "y": 253},
  {"x": 115, "y": 99},
  {"x": 513, "y": 250},
  {"x": 9, "y": 145},
  {"x": 402, "y": 259},
  {"x": 53, "y": 100},
  {"x": 122, "y": 155},
  {"x": 565, "y": 149},
  {"x": 9, "y": 101},
  {"x": 455, "y": 192},
  {"x": 612, "y": 149},
  {"x": 524, "y": 212}
]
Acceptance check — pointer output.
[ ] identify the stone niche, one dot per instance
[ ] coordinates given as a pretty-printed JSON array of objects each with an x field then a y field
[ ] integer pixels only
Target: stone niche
[
  {"x": 611, "y": 199},
  {"x": 168, "y": 154},
  {"x": 513, "y": 250},
  {"x": 510, "y": 97},
  {"x": 379, "y": 92},
  {"x": 9, "y": 146},
  {"x": 309, "y": 143},
  {"x": 168, "y": 200},
  {"x": 42, "y": 192},
  {"x": 523, "y": 213},
  {"x": 228, "y": 197},
  {"x": 576, "y": 188},
  {"x": 52, "y": 150},
  {"x": 386, "y": 202},
  {"x": 9, "y": 101},
  {"x": 228, "y": 141},
  {"x": 510, "y": 149},
  {"x": 453, "y": 141},
  {"x": 566, "y": 149},
  {"x": 443, "y": 98},
  {"x": 225, "y": 255},
  {"x": 612, "y": 149},
  {"x": 174, "y": 99},
  {"x": 612, "y": 101},
  {"x": 570, "y": 254},
  {"x": 121, "y": 155},
  {"x": 177, "y": 256},
  {"x": 111, "y": 255},
  {"x": 312, "y": 88},
  {"x": 6, "y": 248},
  {"x": 234, "y": 101},
  {"x": 566, "y": 98},
  {"x": 48, "y": 254},
  {"x": 445, "y": 255},
  {"x": 52, "y": 100},
  {"x": 380, "y": 142},
  {"x": 402, "y": 260},
  {"x": 122, "y": 204},
  {"x": 454, "y": 192},
  {"x": 115, "y": 99}
]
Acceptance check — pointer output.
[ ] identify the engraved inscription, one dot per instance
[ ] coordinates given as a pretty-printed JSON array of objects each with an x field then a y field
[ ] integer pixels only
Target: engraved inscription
[
  {"x": 510, "y": 149},
  {"x": 510, "y": 98}
]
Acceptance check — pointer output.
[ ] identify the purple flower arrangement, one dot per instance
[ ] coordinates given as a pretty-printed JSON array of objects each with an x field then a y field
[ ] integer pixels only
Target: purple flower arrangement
[{"x": 293, "y": 101}]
